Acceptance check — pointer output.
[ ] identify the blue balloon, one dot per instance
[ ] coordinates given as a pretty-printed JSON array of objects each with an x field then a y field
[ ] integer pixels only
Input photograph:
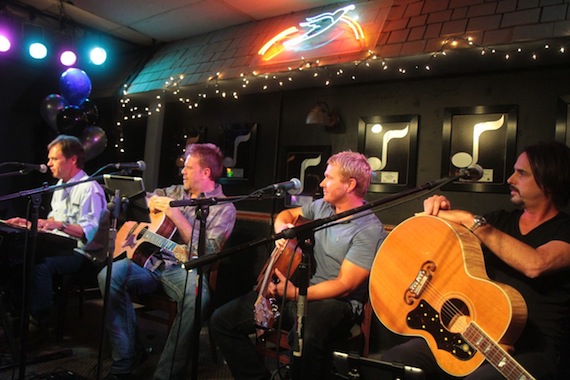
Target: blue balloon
[{"x": 75, "y": 86}]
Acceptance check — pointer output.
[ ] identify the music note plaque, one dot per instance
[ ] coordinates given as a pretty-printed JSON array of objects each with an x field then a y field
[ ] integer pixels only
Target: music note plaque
[
  {"x": 308, "y": 164},
  {"x": 484, "y": 136},
  {"x": 237, "y": 142},
  {"x": 390, "y": 143}
]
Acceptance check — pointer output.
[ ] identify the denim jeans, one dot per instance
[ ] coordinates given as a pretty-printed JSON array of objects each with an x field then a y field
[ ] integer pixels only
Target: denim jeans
[
  {"x": 42, "y": 279},
  {"x": 180, "y": 285},
  {"x": 325, "y": 322}
]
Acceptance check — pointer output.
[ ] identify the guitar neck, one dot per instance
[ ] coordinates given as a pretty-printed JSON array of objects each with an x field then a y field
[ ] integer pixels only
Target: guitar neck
[
  {"x": 495, "y": 354},
  {"x": 159, "y": 241}
]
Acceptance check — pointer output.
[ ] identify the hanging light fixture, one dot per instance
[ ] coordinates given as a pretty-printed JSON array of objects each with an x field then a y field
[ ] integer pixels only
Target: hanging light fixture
[{"x": 321, "y": 115}]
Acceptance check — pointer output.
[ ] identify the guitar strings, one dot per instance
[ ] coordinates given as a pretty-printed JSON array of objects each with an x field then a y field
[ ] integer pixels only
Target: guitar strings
[{"x": 451, "y": 311}]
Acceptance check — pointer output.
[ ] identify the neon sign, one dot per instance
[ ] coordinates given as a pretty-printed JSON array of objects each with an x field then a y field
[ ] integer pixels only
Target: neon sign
[{"x": 314, "y": 33}]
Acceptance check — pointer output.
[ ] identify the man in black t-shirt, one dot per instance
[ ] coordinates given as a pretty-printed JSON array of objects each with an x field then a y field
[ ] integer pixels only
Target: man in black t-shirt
[{"x": 528, "y": 249}]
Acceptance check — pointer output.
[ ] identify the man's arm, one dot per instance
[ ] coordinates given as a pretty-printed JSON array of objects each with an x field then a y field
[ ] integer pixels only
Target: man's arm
[
  {"x": 349, "y": 279},
  {"x": 286, "y": 218},
  {"x": 531, "y": 262},
  {"x": 162, "y": 204}
]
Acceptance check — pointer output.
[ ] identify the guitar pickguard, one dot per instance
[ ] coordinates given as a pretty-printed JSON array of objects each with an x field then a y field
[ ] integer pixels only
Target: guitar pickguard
[{"x": 425, "y": 317}]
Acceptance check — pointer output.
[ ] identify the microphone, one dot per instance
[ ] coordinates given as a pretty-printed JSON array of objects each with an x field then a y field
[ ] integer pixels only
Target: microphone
[
  {"x": 471, "y": 173},
  {"x": 42, "y": 168},
  {"x": 139, "y": 165},
  {"x": 292, "y": 184}
]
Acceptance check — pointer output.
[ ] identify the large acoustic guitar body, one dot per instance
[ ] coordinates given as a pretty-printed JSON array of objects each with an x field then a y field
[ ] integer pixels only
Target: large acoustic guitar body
[
  {"x": 429, "y": 280},
  {"x": 138, "y": 241}
]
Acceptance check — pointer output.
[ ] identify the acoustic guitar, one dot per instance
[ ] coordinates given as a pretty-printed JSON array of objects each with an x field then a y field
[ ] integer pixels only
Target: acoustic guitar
[
  {"x": 138, "y": 241},
  {"x": 429, "y": 280},
  {"x": 286, "y": 259}
]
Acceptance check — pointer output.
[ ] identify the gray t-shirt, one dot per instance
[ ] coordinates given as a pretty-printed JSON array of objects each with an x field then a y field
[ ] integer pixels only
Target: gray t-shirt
[{"x": 356, "y": 239}]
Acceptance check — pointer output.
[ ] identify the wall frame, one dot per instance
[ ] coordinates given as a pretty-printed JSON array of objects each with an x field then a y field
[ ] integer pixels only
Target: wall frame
[
  {"x": 237, "y": 142},
  {"x": 308, "y": 164},
  {"x": 484, "y": 136},
  {"x": 562, "y": 132},
  {"x": 390, "y": 143}
]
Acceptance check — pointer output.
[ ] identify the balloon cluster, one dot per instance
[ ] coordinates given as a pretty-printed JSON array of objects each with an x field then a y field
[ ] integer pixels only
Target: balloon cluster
[{"x": 72, "y": 113}]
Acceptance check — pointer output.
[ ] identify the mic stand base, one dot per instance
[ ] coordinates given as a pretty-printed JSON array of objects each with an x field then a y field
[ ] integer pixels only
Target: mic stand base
[{"x": 41, "y": 358}]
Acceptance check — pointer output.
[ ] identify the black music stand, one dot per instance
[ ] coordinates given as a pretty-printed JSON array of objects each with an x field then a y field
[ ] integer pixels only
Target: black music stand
[
  {"x": 133, "y": 196},
  {"x": 127, "y": 201}
]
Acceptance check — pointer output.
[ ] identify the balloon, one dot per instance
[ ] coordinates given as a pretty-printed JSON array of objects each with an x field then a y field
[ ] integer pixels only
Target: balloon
[
  {"x": 71, "y": 121},
  {"x": 75, "y": 86},
  {"x": 50, "y": 107},
  {"x": 91, "y": 111},
  {"x": 94, "y": 141}
]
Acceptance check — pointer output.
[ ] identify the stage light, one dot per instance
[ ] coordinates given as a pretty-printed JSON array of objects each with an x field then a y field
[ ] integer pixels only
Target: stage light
[
  {"x": 98, "y": 56},
  {"x": 5, "y": 44},
  {"x": 7, "y": 34},
  {"x": 37, "y": 50},
  {"x": 33, "y": 37},
  {"x": 68, "y": 58}
]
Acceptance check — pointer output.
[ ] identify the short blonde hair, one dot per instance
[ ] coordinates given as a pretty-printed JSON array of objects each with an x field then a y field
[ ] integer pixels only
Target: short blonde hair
[{"x": 353, "y": 165}]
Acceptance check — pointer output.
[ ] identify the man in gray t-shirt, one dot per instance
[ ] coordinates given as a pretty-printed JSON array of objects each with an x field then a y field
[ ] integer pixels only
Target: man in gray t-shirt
[{"x": 343, "y": 254}]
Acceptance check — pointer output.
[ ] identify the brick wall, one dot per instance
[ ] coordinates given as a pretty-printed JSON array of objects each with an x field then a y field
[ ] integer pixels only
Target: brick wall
[{"x": 412, "y": 27}]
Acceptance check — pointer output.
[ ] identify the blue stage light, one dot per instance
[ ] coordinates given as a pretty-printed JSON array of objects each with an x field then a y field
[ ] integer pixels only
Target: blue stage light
[{"x": 98, "y": 55}]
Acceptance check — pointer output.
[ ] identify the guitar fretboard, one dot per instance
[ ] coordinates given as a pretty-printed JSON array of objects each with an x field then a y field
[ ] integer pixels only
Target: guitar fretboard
[
  {"x": 495, "y": 354},
  {"x": 159, "y": 241}
]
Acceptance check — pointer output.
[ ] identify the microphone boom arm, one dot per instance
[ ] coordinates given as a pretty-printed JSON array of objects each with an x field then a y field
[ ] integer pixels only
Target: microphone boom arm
[{"x": 290, "y": 233}]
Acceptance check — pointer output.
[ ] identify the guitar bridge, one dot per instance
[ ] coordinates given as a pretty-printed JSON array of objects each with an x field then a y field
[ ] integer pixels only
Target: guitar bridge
[{"x": 423, "y": 277}]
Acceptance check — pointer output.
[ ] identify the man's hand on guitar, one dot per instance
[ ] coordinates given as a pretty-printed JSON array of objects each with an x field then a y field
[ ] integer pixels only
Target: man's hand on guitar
[
  {"x": 281, "y": 243},
  {"x": 158, "y": 203},
  {"x": 277, "y": 288},
  {"x": 434, "y": 204},
  {"x": 440, "y": 206}
]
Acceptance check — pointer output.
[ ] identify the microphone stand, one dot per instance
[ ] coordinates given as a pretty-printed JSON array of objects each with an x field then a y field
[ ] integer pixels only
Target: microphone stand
[
  {"x": 17, "y": 172},
  {"x": 306, "y": 241},
  {"x": 115, "y": 207},
  {"x": 202, "y": 214},
  {"x": 202, "y": 211}
]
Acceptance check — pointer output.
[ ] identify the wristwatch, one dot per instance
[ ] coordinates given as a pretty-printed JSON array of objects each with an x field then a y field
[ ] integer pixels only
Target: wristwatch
[
  {"x": 478, "y": 221},
  {"x": 64, "y": 226}
]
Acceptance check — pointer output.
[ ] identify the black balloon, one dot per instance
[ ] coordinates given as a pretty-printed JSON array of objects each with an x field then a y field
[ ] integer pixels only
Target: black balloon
[
  {"x": 50, "y": 108},
  {"x": 91, "y": 111},
  {"x": 71, "y": 121},
  {"x": 94, "y": 141}
]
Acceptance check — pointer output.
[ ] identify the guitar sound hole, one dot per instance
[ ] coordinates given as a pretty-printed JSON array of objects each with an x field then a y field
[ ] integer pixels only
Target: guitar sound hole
[
  {"x": 455, "y": 315},
  {"x": 142, "y": 232}
]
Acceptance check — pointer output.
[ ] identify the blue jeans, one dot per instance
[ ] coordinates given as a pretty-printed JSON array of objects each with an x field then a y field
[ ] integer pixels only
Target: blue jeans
[
  {"x": 42, "y": 279},
  {"x": 180, "y": 285},
  {"x": 326, "y": 321}
]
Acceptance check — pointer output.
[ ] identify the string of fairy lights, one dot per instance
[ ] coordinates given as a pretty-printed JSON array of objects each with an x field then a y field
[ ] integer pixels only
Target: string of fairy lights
[{"x": 217, "y": 85}]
